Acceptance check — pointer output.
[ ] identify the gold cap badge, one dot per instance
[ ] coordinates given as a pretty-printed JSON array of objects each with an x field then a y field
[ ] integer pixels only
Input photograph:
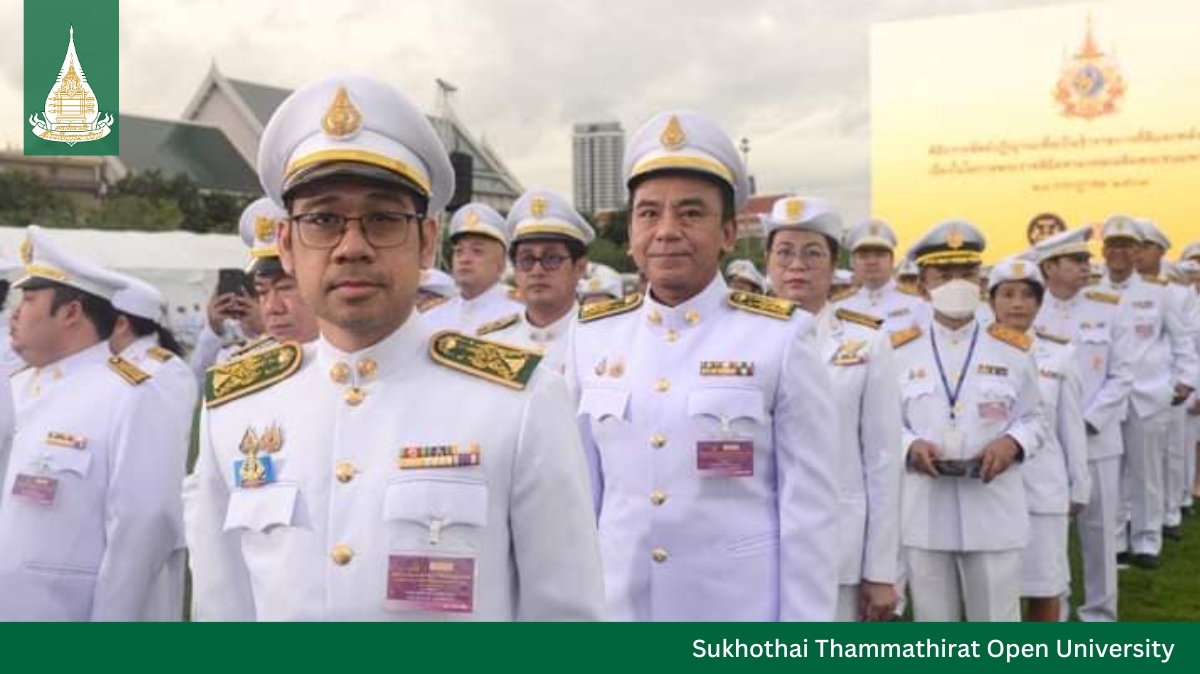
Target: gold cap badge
[
  {"x": 342, "y": 118},
  {"x": 1018, "y": 269},
  {"x": 27, "y": 251},
  {"x": 954, "y": 238},
  {"x": 264, "y": 228},
  {"x": 538, "y": 207},
  {"x": 472, "y": 221},
  {"x": 673, "y": 137},
  {"x": 794, "y": 208}
]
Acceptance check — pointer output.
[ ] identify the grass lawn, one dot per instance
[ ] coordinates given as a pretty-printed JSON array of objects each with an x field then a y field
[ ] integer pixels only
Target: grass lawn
[{"x": 1169, "y": 593}]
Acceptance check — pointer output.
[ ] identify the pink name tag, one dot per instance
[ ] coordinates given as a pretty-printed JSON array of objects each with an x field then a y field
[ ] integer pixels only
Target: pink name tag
[
  {"x": 35, "y": 490},
  {"x": 439, "y": 584},
  {"x": 725, "y": 458},
  {"x": 1143, "y": 330},
  {"x": 993, "y": 411}
]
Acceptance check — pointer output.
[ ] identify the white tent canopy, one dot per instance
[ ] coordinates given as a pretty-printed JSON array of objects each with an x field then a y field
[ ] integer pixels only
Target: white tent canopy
[{"x": 183, "y": 265}]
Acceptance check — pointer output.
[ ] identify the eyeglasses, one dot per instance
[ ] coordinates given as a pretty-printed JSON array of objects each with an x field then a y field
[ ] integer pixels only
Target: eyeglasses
[
  {"x": 549, "y": 261},
  {"x": 381, "y": 229},
  {"x": 786, "y": 257}
]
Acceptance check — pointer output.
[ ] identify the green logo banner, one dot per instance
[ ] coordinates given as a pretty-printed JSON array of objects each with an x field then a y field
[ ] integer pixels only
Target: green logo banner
[{"x": 72, "y": 89}]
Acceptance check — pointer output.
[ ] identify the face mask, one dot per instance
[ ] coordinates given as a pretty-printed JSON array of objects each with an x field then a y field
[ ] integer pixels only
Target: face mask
[{"x": 957, "y": 299}]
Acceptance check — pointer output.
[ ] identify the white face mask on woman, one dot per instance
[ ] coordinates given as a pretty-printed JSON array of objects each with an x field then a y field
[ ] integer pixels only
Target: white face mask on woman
[{"x": 957, "y": 299}]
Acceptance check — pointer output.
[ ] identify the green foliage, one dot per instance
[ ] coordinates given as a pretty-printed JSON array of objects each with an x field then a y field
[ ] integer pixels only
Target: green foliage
[
  {"x": 201, "y": 211},
  {"x": 130, "y": 212},
  {"x": 25, "y": 200}
]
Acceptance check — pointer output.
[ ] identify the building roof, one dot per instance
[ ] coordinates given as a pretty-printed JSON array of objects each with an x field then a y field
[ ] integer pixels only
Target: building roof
[
  {"x": 201, "y": 151},
  {"x": 260, "y": 98}
]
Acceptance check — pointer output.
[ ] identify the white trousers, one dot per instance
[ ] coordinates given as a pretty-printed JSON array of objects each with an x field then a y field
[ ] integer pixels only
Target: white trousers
[
  {"x": 847, "y": 604},
  {"x": 1096, "y": 526},
  {"x": 1175, "y": 481},
  {"x": 1142, "y": 483},
  {"x": 987, "y": 584}
]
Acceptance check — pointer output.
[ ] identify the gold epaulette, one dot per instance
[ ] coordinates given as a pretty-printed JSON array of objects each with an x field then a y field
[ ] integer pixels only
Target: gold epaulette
[
  {"x": 261, "y": 342},
  {"x": 1107, "y": 298},
  {"x": 160, "y": 354},
  {"x": 251, "y": 373},
  {"x": 1010, "y": 337},
  {"x": 1155, "y": 279},
  {"x": 514, "y": 294},
  {"x": 131, "y": 373},
  {"x": 775, "y": 307},
  {"x": 497, "y": 325},
  {"x": 433, "y": 301},
  {"x": 598, "y": 310},
  {"x": 866, "y": 320},
  {"x": 500, "y": 363},
  {"x": 901, "y": 337},
  {"x": 1057, "y": 339},
  {"x": 843, "y": 294},
  {"x": 908, "y": 289}
]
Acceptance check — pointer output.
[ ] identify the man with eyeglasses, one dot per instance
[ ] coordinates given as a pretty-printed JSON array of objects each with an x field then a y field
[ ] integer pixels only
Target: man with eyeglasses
[
  {"x": 549, "y": 253},
  {"x": 1090, "y": 319},
  {"x": 704, "y": 411},
  {"x": 802, "y": 251},
  {"x": 480, "y": 238},
  {"x": 382, "y": 472}
]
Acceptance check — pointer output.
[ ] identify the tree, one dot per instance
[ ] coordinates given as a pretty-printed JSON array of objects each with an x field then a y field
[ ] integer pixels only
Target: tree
[
  {"x": 130, "y": 212},
  {"x": 201, "y": 211},
  {"x": 25, "y": 200}
]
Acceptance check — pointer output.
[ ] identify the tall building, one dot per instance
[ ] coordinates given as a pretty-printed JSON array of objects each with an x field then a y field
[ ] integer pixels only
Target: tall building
[{"x": 599, "y": 149}]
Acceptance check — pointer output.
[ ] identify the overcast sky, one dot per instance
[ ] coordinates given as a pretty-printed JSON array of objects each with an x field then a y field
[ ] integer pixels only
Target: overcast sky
[{"x": 790, "y": 75}]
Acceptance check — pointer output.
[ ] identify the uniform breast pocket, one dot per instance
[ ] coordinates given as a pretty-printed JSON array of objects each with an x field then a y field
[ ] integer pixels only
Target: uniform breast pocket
[
  {"x": 604, "y": 407},
  {"x": 727, "y": 408},
  {"x": 432, "y": 514},
  {"x": 996, "y": 401},
  {"x": 68, "y": 462},
  {"x": 917, "y": 397},
  {"x": 263, "y": 509}
]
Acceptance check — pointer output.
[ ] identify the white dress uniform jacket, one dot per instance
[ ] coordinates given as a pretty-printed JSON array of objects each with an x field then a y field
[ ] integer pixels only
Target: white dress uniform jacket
[
  {"x": 862, "y": 366},
  {"x": 550, "y": 341},
  {"x": 999, "y": 397},
  {"x": 113, "y": 523},
  {"x": 1057, "y": 476},
  {"x": 466, "y": 316},
  {"x": 655, "y": 381},
  {"x": 318, "y": 541},
  {"x": 898, "y": 309}
]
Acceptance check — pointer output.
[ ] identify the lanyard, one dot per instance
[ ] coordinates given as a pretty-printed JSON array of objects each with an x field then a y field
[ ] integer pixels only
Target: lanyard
[{"x": 952, "y": 396}]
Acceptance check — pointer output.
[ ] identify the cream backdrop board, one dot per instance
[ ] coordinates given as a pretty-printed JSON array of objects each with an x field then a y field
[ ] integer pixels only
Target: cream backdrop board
[{"x": 968, "y": 118}]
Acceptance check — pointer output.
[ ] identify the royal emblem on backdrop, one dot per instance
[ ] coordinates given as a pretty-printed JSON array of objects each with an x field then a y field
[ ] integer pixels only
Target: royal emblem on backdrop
[{"x": 1090, "y": 84}]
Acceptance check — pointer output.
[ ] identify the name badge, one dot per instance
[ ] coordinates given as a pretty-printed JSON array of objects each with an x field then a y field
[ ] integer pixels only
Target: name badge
[
  {"x": 36, "y": 490},
  {"x": 431, "y": 584},
  {"x": 1144, "y": 330},
  {"x": 993, "y": 411},
  {"x": 725, "y": 458}
]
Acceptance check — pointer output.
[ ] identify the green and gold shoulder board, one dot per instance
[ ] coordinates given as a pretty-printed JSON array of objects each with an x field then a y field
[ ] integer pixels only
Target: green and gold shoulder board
[
  {"x": 160, "y": 354},
  {"x": 251, "y": 373},
  {"x": 498, "y": 363},
  {"x": 901, "y": 337},
  {"x": 1107, "y": 298},
  {"x": 594, "y": 312},
  {"x": 1010, "y": 337},
  {"x": 763, "y": 305}
]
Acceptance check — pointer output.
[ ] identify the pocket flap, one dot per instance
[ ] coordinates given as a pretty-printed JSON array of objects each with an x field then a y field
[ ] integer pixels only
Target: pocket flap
[
  {"x": 600, "y": 402},
  {"x": 727, "y": 403},
  {"x": 916, "y": 388},
  {"x": 261, "y": 508},
  {"x": 425, "y": 499},
  {"x": 69, "y": 461}
]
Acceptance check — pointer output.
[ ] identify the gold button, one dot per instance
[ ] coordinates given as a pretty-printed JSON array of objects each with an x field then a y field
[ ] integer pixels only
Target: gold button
[
  {"x": 658, "y": 441},
  {"x": 658, "y": 498},
  {"x": 692, "y": 317},
  {"x": 345, "y": 471},
  {"x": 654, "y": 316},
  {"x": 366, "y": 368},
  {"x": 339, "y": 373},
  {"x": 341, "y": 554},
  {"x": 354, "y": 396},
  {"x": 662, "y": 385},
  {"x": 659, "y": 555},
  {"x": 672, "y": 336}
]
